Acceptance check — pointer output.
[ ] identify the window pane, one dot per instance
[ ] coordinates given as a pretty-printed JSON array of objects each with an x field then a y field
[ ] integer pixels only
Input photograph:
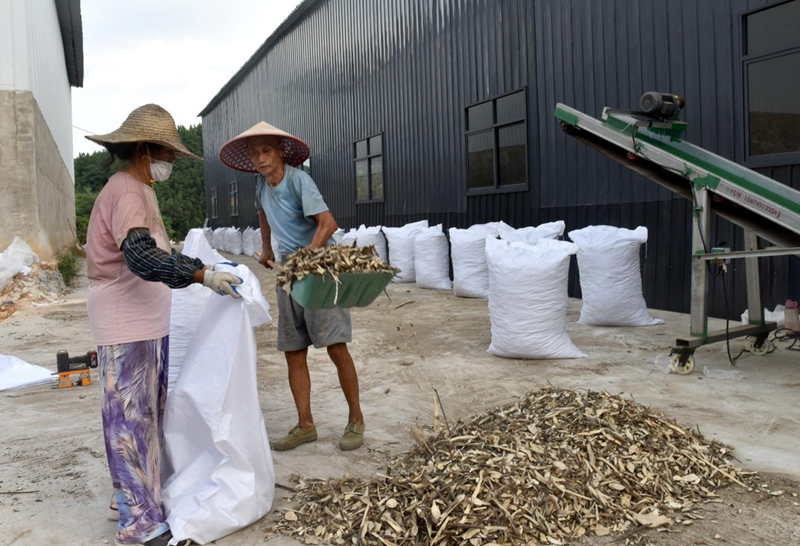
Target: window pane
[
  {"x": 376, "y": 170},
  {"x": 774, "y": 29},
  {"x": 774, "y": 105},
  {"x": 511, "y": 107},
  {"x": 362, "y": 181},
  {"x": 511, "y": 140},
  {"x": 361, "y": 148},
  {"x": 480, "y": 117},
  {"x": 481, "y": 160},
  {"x": 375, "y": 145}
]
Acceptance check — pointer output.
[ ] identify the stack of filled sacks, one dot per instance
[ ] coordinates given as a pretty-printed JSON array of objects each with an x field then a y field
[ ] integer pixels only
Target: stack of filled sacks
[
  {"x": 247, "y": 242},
  {"x": 528, "y": 299},
  {"x": 432, "y": 259},
  {"x": 218, "y": 239},
  {"x": 233, "y": 241},
  {"x": 611, "y": 278},
  {"x": 470, "y": 272},
  {"x": 401, "y": 249}
]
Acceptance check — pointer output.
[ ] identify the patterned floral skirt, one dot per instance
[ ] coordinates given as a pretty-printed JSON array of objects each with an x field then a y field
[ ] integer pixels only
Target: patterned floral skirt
[{"x": 134, "y": 391}]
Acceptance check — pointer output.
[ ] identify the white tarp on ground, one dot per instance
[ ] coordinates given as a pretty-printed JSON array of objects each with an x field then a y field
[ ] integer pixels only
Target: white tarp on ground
[
  {"x": 532, "y": 234},
  {"x": 611, "y": 276},
  {"x": 470, "y": 272},
  {"x": 218, "y": 465},
  {"x": 528, "y": 299},
  {"x": 401, "y": 249},
  {"x": 16, "y": 258},
  {"x": 16, "y": 374},
  {"x": 432, "y": 259}
]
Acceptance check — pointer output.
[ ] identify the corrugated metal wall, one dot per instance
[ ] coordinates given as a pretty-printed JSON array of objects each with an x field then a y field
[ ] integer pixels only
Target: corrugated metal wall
[
  {"x": 353, "y": 68},
  {"x": 32, "y": 59}
]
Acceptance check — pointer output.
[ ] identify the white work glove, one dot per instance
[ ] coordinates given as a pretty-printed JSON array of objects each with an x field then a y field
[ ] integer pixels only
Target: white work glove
[{"x": 222, "y": 283}]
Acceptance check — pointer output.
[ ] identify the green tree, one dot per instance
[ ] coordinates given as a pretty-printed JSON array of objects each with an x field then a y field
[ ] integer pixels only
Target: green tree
[{"x": 181, "y": 198}]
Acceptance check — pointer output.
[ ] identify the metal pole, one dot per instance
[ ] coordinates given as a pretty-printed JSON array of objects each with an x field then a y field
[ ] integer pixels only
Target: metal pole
[
  {"x": 701, "y": 229},
  {"x": 756, "y": 311}
]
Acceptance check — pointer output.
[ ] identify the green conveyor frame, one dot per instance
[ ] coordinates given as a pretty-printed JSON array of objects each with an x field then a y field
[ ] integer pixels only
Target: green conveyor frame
[{"x": 760, "y": 205}]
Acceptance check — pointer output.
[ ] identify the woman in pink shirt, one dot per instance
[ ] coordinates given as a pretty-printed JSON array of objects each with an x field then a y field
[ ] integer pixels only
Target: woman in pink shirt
[{"x": 132, "y": 268}]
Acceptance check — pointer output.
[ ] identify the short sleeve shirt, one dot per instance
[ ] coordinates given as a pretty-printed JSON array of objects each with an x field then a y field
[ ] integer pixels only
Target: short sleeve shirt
[
  {"x": 124, "y": 308},
  {"x": 290, "y": 207}
]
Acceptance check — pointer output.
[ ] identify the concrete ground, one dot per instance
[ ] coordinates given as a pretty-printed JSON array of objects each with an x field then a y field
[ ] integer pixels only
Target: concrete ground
[{"x": 54, "y": 484}]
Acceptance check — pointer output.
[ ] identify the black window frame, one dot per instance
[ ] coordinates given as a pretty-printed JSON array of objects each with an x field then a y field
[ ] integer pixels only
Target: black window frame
[
  {"x": 369, "y": 157},
  {"x": 214, "y": 204},
  {"x": 495, "y": 128},
  {"x": 766, "y": 160},
  {"x": 234, "y": 195}
]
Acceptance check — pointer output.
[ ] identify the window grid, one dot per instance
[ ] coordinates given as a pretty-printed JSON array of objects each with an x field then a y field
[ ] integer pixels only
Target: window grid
[
  {"x": 493, "y": 130},
  {"x": 758, "y": 58},
  {"x": 214, "y": 204},
  {"x": 235, "y": 198},
  {"x": 369, "y": 169}
]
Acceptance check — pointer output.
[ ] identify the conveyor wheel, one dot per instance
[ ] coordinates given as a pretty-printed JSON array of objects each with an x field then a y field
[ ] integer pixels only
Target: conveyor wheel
[
  {"x": 753, "y": 346},
  {"x": 681, "y": 364}
]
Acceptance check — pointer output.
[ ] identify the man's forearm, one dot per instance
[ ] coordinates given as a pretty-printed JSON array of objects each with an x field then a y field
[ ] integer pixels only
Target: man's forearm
[{"x": 326, "y": 226}]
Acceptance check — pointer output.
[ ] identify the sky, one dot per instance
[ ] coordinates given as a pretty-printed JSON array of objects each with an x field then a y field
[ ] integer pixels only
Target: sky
[{"x": 175, "y": 53}]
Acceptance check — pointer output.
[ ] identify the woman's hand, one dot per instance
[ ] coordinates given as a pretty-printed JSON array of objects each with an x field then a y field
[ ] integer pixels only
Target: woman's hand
[{"x": 222, "y": 283}]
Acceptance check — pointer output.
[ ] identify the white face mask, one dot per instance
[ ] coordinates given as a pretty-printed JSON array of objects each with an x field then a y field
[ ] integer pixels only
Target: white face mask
[{"x": 160, "y": 170}]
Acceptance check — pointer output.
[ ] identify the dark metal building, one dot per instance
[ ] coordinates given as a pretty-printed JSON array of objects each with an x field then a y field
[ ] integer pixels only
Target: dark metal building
[{"x": 442, "y": 110}]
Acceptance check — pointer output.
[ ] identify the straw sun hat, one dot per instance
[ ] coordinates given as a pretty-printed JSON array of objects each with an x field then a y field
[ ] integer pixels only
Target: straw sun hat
[
  {"x": 148, "y": 123},
  {"x": 234, "y": 152}
]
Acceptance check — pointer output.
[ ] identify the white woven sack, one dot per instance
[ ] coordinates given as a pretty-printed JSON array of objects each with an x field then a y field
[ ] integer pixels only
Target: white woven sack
[
  {"x": 611, "y": 277},
  {"x": 349, "y": 238},
  {"x": 492, "y": 229},
  {"x": 470, "y": 272},
  {"x": 258, "y": 245},
  {"x": 218, "y": 239},
  {"x": 337, "y": 236},
  {"x": 233, "y": 241},
  {"x": 401, "y": 249},
  {"x": 432, "y": 259},
  {"x": 532, "y": 234},
  {"x": 209, "y": 235},
  {"x": 528, "y": 299},
  {"x": 276, "y": 249},
  {"x": 366, "y": 236},
  {"x": 247, "y": 241}
]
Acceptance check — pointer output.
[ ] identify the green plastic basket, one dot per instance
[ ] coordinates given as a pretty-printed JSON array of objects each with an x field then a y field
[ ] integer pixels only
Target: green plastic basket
[{"x": 355, "y": 290}]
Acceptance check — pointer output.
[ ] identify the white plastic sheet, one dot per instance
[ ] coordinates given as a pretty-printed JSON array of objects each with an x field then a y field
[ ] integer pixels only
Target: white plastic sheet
[
  {"x": 532, "y": 234},
  {"x": 218, "y": 466},
  {"x": 16, "y": 374},
  {"x": 401, "y": 249},
  {"x": 17, "y": 258},
  {"x": 247, "y": 241},
  {"x": 470, "y": 272},
  {"x": 611, "y": 277},
  {"x": 432, "y": 259},
  {"x": 528, "y": 299}
]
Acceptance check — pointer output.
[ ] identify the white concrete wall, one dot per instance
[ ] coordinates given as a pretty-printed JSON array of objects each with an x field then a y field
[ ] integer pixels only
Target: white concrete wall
[{"x": 32, "y": 59}]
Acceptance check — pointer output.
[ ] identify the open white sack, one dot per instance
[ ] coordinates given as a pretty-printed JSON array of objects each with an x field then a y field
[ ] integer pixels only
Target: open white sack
[
  {"x": 532, "y": 234},
  {"x": 470, "y": 272},
  {"x": 16, "y": 258},
  {"x": 16, "y": 374},
  {"x": 373, "y": 236},
  {"x": 528, "y": 299},
  {"x": 432, "y": 259},
  {"x": 401, "y": 249},
  {"x": 247, "y": 241},
  {"x": 218, "y": 465},
  {"x": 611, "y": 277}
]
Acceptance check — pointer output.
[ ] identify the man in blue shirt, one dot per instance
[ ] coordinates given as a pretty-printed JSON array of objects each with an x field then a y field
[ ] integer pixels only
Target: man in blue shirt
[{"x": 291, "y": 207}]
